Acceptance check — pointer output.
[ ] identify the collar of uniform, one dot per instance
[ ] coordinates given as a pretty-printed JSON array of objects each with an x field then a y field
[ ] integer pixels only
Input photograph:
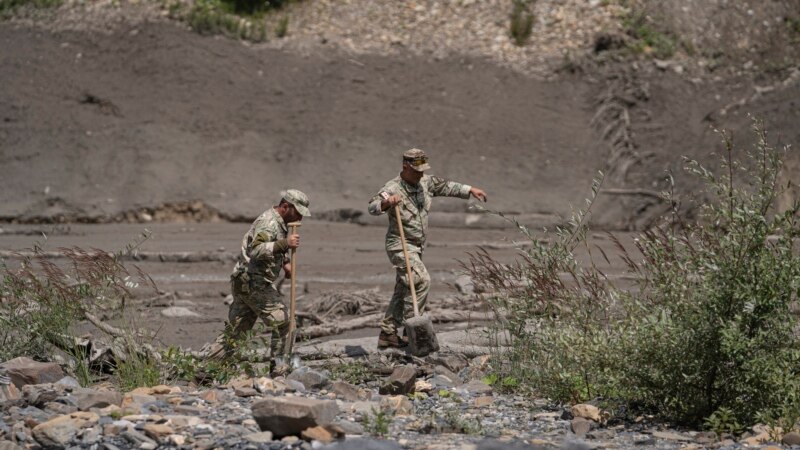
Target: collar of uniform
[
  {"x": 410, "y": 187},
  {"x": 280, "y": 221}
]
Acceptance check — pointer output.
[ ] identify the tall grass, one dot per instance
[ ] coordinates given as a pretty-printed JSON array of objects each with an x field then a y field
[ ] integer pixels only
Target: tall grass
[{"x": 705, "y": 331}]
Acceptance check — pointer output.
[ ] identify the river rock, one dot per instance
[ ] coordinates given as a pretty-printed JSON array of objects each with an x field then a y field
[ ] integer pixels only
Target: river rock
[
  {"x": 24, "y": 371},
  {"x": 400, "y": 382},
  {"x": 285, "y": 416}
]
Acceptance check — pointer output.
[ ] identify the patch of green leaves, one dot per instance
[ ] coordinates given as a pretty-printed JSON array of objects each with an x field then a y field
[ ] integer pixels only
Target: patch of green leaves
[
  {"x": 9, "y": 7},
  {"x": 521, "y": 21},
  {"x": 647, "y": 38},
  {"x": 354, "y": 372},
  {"x": 213, "y": 17},
  {"x": 718, "y": 292},
  {"x": 377, "y": 422}
]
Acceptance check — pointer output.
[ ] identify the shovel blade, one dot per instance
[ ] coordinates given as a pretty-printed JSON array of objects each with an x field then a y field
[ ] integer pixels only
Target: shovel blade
[{"x": 422, "y": 339}]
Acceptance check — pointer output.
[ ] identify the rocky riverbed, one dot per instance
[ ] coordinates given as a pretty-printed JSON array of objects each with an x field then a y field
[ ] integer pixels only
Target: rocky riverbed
[{"x": 441, "y": 402}]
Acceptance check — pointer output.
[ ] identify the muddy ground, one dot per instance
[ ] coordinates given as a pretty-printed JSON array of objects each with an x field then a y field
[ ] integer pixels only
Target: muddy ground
[{"x": 334, "y": 257}]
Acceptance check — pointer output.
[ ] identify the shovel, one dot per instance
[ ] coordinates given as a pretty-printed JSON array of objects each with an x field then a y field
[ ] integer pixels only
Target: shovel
[
  {"x": 419, "y": 329},
  {"x": 294, "y": 360}
]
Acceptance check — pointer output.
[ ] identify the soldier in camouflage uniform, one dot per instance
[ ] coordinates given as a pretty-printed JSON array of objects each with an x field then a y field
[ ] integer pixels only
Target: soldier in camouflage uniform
[
  {"x": 264, "y": 254},
  {"x": 413, "y": 191}
]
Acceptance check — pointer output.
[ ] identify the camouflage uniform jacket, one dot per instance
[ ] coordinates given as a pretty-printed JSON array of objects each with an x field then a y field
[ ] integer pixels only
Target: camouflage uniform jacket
[
  {"x": 414, "y": 208},
  {"x": 259, "y": 256}
]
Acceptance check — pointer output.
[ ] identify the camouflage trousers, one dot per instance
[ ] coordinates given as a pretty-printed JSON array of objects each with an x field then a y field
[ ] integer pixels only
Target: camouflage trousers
[
  {"x": 401, "y": 305},
  {"x": 254, "y": 298}
]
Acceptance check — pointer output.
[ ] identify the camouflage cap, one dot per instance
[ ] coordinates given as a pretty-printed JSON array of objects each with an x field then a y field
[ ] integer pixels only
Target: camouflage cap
[
  {"x": 417, "y": 159},
  {"x": 299, "y": 200}
]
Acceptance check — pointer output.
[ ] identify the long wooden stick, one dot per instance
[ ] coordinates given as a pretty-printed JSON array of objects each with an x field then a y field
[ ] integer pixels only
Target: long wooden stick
[
  {"x": 405, "y": 254},
  {"x": 292, "y": 295}
]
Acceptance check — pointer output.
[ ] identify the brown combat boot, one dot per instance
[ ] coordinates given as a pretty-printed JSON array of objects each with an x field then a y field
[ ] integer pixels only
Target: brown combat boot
[{"x": 391, "y": 340}]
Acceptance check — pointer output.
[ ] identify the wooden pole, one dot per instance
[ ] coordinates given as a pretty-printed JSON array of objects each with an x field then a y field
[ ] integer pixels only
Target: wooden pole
[
  {"x": 405, "y": 254},
  {"x": 293, "y": 226}
]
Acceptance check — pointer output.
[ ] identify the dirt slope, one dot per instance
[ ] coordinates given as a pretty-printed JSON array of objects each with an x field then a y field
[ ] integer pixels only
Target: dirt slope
[{"x": 95, "y": 124}]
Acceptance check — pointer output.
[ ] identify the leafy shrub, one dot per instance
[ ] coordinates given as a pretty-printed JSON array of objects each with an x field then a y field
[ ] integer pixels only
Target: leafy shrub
[
  {"x": 706, "y": 331},
  {"x": 377, "y": 423},
  {"x": 41, "y": 302},
  {"x": 283, "y": 27},
  {"x": 647, "y": 38},
  {"x": 211, "y": 17},
  {"x": 521, "y": 22},
  {"x": 8, "y": 7},
  {"x": 353, "y": 372}
]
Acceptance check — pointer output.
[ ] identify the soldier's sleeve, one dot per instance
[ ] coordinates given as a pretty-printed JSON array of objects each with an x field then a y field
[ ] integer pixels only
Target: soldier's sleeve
[
  {"x": 262, "y": 247},
  {"x": 375, "y": 201},
  {"x": 439, "y": 187}
]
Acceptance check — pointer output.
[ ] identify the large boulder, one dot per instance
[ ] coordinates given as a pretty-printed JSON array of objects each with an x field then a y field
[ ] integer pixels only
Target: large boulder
[
  {"x": 285, "y": 416},
  {"x": 59, "y": 431},
  {"x": 401, "y": 381},
  {"x": 24, "y": 371}
]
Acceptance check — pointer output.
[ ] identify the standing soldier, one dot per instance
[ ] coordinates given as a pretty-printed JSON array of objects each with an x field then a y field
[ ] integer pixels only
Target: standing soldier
[
  {"x": 413, "y": 191},
  {"x": 253, "y": 281}
]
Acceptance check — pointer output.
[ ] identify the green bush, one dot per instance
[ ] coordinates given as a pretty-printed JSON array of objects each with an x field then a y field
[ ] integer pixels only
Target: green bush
[
  {"x": 211, "y": 17},
  {"x": 8, "y": 7},
  {"x": 521, "y": 22},
  {"x": 647, "y": 38},
  {"x": 706, "y": 331},
  {"x": 42, "y": 303}
]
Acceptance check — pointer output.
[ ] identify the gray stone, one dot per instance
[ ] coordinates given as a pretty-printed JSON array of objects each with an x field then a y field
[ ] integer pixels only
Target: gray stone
[
  {"x": 296, "y": 385},
  {"x": 68, "y": 382},
  {"x": 263, "y": 437},
  {"x": 178, "y": 312},
  {"x": 310, "y": 378},
  {"x": 58, "y": 408},
  {"x": 90, "y": 398},
  {"x": 8, "y": 445},
  {"x": 290, "y": 415},
  {"x": 705, "y": 437},
  {"x": 91, "y": 435},
  {"x": 24, "y": 371},
  {"x": 494, "y": 444},
  {"x": 601, "y": 435},
  {"x": 400, "y": 382},
  {"x": 791, "y": 438},
  {"x": 364, "y": 444},
  {"x": 671, "y": 436},
  {"x": 59, "y": 431},
  {"x": 581, "y": 426},
  {"x": 136, "y": 438},
  {"x": 345, "y": 391},
  {"x": 9, "y": 392},
  {"x": 41, "y": 394},
  {"x": 478, "y": 387},
  {"x": 442, "y": 370},
  {"x": 349, "y": 427},
  {"x": 453, "y": 363},
  {"x": 443, "y": 381}
]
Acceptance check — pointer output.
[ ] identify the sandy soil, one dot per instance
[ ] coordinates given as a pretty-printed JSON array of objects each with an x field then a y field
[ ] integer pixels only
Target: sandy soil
[
  {"x": 94, "y": 126},
  {"x": 334, "y": 257}
]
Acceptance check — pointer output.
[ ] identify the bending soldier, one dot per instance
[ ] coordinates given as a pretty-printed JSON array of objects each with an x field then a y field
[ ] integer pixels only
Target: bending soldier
[{"x": 253, "y": 281}]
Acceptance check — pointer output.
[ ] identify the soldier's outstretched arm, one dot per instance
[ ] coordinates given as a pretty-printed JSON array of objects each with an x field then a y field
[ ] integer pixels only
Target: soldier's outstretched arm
[{"x": 443, "y": 188}]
